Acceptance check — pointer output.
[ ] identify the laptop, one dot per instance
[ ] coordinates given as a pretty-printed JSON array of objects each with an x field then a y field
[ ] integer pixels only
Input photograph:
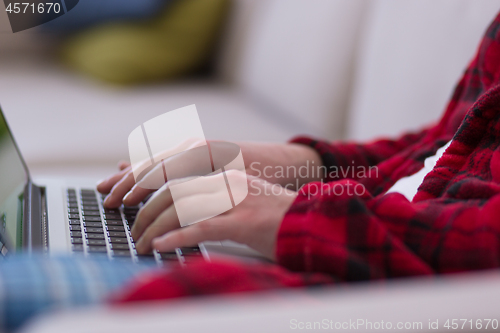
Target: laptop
[{"x": 57, "y": 216}]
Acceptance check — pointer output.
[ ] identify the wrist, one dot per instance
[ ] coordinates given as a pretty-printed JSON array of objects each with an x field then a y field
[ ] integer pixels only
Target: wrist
[
  {"x": 290, "y": 165},
  {"x": 307, "y": 164}
]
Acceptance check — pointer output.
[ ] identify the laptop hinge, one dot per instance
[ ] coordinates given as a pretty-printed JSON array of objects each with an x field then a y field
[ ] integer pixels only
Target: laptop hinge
[{"x": 34, "y": 224}]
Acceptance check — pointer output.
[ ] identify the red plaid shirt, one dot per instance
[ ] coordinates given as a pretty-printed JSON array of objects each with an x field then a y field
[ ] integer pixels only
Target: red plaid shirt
[{"x": 452, "y": 225}]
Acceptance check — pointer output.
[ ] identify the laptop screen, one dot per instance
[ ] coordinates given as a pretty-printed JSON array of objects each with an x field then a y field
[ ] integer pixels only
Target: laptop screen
[{"x": 13, "y": 179}]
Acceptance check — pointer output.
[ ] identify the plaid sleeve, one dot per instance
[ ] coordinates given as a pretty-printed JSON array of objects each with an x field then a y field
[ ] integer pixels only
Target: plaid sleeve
[
  {"x": 338, "y": 232},
  {"x": 452, "y": 225},
  {"x": 357, "y": 237},
  {"x": 482, "y": 73},
  {"x": 216, "y": 277},
  {"x": 343, "y": 155}
]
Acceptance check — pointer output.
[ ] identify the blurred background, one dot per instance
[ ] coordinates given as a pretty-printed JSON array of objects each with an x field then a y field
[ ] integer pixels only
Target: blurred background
[{"x": 266, "y": 70}]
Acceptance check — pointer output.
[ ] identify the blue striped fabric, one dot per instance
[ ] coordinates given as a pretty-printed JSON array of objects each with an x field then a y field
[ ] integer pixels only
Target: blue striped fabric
[{"x": 31, "y": 285}]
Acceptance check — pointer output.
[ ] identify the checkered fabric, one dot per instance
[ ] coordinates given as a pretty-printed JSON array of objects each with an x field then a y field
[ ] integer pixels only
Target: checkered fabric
[
  {"x": 452, "y": 225},
  {"x": 31, "y": 285}
]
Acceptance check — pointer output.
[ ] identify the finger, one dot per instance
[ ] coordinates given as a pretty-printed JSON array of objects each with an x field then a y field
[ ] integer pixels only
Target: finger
[
  {"x": 183, "y": 146},
  {"x": 115, "y": 197},
  {"x": 167, "y": 221},
  {"x": 136, "y": 195},
  {"x": 107, "y": 184},
  {"x": 210, "y": 230},
  {"x": 123, "y": 165},
  {"x": 159, "y": 202},
  {"x": 189, "y": 186},
  {"x": 201, "y": 207}
]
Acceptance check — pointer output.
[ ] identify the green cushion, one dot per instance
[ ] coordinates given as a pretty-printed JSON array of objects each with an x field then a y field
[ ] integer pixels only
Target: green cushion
[{"x": 177, "y": 42}]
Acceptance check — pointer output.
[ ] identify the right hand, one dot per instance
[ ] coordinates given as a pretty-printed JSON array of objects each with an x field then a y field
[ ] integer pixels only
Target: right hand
[{"x": 261, "y": 160}]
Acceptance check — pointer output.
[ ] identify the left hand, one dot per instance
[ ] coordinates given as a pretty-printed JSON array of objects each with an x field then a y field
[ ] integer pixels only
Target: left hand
[
  {"x": 254, "y": 222},
  {"x": 261, "y": 159}
]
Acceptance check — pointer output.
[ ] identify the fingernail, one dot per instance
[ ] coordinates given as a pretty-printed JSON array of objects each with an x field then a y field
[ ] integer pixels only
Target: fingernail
[
  {"x": 155, "y": 242},
  {"x": 160, "y": 243}
]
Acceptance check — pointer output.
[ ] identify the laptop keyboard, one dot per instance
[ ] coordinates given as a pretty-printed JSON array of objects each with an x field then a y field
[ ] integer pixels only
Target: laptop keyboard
[{"x": 95, "y": 230}]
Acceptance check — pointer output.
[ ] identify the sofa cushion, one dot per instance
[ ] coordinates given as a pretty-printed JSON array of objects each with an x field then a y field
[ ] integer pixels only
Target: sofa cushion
[
  {"x": 59, "y": 117},
  {"x": 296, "y": 56},
  {"x": 412, "y": 55},
  {"x": 177, "y": 42}
]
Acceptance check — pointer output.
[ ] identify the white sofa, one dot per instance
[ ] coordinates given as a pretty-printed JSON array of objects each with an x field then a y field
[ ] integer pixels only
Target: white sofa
[{"x": 332, "y": 68}]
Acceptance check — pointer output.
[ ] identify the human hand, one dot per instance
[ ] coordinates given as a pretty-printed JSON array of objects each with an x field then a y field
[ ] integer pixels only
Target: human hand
[
  {"x": 254, "y": 222},
  {"x": 122, "y": 187},
  {"x": 261, "y": 160}
]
